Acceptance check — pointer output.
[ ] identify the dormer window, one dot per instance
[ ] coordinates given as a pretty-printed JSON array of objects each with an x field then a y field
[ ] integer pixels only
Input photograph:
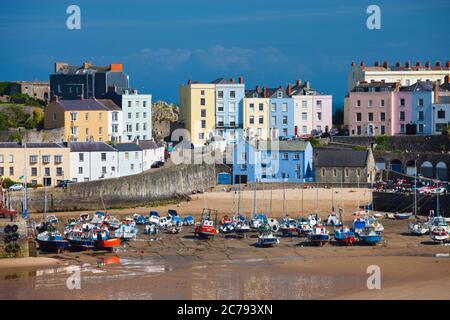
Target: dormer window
[{"x": 280, "y": 94}]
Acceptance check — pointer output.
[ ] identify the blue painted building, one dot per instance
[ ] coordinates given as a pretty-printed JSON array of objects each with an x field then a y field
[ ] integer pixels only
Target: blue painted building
[
  {"x": 229, "y": 108},
  {"x": 273, "y": 161},
  {"x": 281, "y": 113}
]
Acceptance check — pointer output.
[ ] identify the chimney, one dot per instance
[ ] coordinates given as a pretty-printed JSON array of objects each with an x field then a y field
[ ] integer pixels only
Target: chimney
[
  {"x": 418, "y": 64},
  {"x": 264, "y": 91},
  {"x": 427, "y": 64},
  {"x": 189, "y": 82},
  {"x": 257, "y": 88},
  {"x": 241, "y": 79},
  {"x": 397, "y": 64},
  {"x": 298, "y": 83},
  {"x": 280, "y": 88},
  {"x": 307, "y": 84},
  {"x": 385, "y": 64},
  {"x": 438, "y": 63},
  {"x": 397, "y": 86},
  {"x": 436, "y": 92},
  {"x": 353, "y": 63},
  {"x": 231, "y": 80},
  {"x": 362, "y": 63},
  {"x": 407, "y": 64},
  {"x": 448, "y": 64},
  {"x": 288, "y": 90},
  {"x": 376, "y": 64}
]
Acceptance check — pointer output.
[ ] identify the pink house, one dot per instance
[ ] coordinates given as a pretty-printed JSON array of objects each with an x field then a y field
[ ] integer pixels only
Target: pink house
[
  {"x": 373, "y": 109},
  {"x": 402, "y": 111}
]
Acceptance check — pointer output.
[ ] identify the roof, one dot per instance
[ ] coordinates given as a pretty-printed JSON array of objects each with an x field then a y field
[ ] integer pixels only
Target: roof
[
  {"x": 109, "y": 104},
  {"x": 82, "y": 104},
  {"x": 253, "y": 94},
  {"x": 444, "y": 100},
  {"x": 90, "y": 147},
  {"x": 419, "y": 86},
  {"x": 10, "y": 145},
  {"x": 44, "y": 145},
  {"x": 340, "y": 158},
  {"x": 290, "y": 145},
  {"x": 378, "y": 86},
  {"x": 148, "y": 144},
  {"x": 123, "y": 147}
]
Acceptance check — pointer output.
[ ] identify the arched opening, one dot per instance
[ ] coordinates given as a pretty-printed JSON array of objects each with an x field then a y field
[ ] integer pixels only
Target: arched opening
[
  {"x": 427, "y": 169},
  {"x": 441, "y": 170},
  {"x": 410, "y": 168},
  {"x": 396, "y": 165},
  {"x": 380, "y": 163}
]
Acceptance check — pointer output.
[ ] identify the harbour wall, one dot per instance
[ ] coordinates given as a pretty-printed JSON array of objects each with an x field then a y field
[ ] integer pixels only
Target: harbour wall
[
  {"x": 145, "y": 188},
  {"x": 399, "y": 202}
]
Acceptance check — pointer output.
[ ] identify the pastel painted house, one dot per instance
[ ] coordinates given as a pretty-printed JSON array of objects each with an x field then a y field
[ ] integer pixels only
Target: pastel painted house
[
  {"x": 256, "y": 114},
  {"x": 129, "y": 158},
  {"x": 272, "y": 161},
  {"x": 281, "y": 113}
]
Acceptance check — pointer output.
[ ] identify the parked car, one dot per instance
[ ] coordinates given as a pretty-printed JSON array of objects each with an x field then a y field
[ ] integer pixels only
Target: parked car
[
  {"x": 64, "y": 183},
  {"x": 16, "y": 187}
]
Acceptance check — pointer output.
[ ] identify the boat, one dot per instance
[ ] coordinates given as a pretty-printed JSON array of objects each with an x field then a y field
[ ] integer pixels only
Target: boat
[
  {"x": 112, "y": 222},
  {"x": 257, "y": 221},
  {"x": 303, "y": 226},
  {"x": 288, "y": 227},
  {"x": 98, "y": 218},
  {"x": 188, "y": 221},
  {"x": 402, "y": 216},
  {"x": 313, "y": 219},
  {"x": 225, "y": 219},
  {"x": 343, "y": 235},
  {"x": 84, "y": 217},
  {"x": 241, "y": 226},
  {"x": 79, "y": 240},
  {"x": 319, "y": 235},
  {"x": 205, "y": 228},
  {"x": 333, "y": 220},
  {"x": 369, "y": 236},
  {"x": 52, "y": 219},
  {"x": 126, "y": 231},
  {"x": 52, "y": 241},
  {"x": 266, "y": 237},
  {"x": 103, "y": 241},
  {"x": 139, "y": 219},
  {"x": 418, "y": 228},
  {"x": 173, "y": 228},
  {"x": 439, "y": 229},
  {"x": 439, "y": 234},
  {"x": 151, "y": 228}
]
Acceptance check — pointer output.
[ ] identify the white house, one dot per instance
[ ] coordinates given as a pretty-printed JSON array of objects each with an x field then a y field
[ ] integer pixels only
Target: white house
[
  {"x": 137, "y": 115},
  {"x": 152, "y": 152},
  {"x": 115, "y": 121},
  {"x": 129, "y": 159},
  {"x": 92, "y": 161},
  {"x": 441, "y": 114}
]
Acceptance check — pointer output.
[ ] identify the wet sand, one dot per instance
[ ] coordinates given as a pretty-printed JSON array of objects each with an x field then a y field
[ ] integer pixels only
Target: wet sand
[{"x": 226, "y": 267}]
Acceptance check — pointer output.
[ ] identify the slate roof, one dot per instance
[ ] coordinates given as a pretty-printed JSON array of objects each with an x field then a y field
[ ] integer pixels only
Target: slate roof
[
  {"x": 444, "y": 100},
  {"x": 90, "y": 147},
  {"x": 123, "y": 147},
  {"x": 109, "y": 104},
  {"x": 340, "y": 158},
  {"x": 148, "y": 144},
  {"x": 44, "y": 145},
  {"x": 290, "y": 145},
  {"x": 10, "y": 145},
  {"x": 377, "y": 85},
  {"x": 82, "y": 104},
  {"x": 419, "y": 86},
  {"x": 253, "y": 93}
]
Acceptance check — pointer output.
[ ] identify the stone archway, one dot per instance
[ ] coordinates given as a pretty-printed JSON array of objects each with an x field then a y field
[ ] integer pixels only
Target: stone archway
[
  {"x": 380, "y": 163},
  {"x": 410, "y": 168},
  {"x": 441, "y": 170},
  {"x": 396, "y": 165},
  {"x": 426, "y": 168}
]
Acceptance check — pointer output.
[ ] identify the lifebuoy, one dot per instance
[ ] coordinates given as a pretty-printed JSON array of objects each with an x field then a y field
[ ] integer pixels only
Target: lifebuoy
[
  {"x": 14, "y": 228},
  {"x": 7, "y": 239},
  {"x": 7, "y": 229},
  {"x": 14, "y": 236}
]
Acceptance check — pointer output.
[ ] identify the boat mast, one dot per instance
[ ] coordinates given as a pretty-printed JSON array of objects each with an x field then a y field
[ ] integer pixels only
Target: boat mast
[
  {"x": 239, "y": 196},
  {"x": 415, "y": 188},
  {"x": 302, "y": 201},
  {"x": 45, "y": 201},
  {"x": 271, "y": 189},
  {"x": 284, "y": 198},
  {"x": 254, "y": 198}
]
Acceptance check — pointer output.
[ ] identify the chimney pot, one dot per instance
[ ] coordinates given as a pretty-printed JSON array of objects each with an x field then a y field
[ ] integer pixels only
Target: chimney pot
[
  {"x": 438, "y": 63},
  {"x": 397, "y": 64},
  {"x": 376, "y": 64},
  {"x": 257, "y": 88},
  {"x": 448, "y": 64},
  {"x": 436, "y": 92},
  {"x": 299, "y": 83},
  {"x": 241, "y": 79},
  {"x": 407, "y": 64},
  {"x": 385, "y": 64},
  {"x": 427, "y": 64},
  {"x": 288, "y": 90},
  {"x": 418, "y": 64},
  {"x": 231, "y": 80},
  {"x": 189, "y": 82},
  {"x": 353, "y": 63},
  {"x": 264, "y": 90},
  {"x": 362, "y": 63}
]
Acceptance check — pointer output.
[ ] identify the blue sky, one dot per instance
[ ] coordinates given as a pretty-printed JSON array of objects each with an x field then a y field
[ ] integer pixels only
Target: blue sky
[{"x": 163, "y": 43}]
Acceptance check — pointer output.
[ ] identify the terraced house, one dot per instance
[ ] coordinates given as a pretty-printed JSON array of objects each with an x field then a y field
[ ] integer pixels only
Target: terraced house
[
  {"x": 281, "y": 113},
  {"x": 256, "y": 113},
  {"x": 82, "y": 120},
  {"x": 37, "y": 163}
]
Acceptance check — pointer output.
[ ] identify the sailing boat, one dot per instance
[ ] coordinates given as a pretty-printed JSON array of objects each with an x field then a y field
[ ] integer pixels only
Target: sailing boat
[
  {"x": 343, "y": 234},
  {"x": 439, "y": 229}
]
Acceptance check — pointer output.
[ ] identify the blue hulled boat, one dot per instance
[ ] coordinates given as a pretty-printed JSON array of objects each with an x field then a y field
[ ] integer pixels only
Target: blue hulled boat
[
  {"x": 52, "y": 241},
  {"x": 369, "y": 236}
]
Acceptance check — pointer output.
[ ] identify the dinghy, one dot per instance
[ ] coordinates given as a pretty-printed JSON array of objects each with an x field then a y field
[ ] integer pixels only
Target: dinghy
[
  {"x": 369, "y": 236},
  {"x": 402, "y": 216}
]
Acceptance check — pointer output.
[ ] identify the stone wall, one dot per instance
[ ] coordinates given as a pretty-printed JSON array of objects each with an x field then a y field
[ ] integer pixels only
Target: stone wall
[
  {"x": 52, "y": 135},
  {"x": 140, "y": 189},
  {"x": 13, "y": 248}
]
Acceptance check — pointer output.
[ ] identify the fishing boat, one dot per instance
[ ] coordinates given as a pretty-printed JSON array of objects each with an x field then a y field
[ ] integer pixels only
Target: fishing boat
[
  {"x": 313, "y": 219},
  {"x": 112, "y": 222},
  {"x": 227, "y": 227},
  {"x": 257, "y": 221},
  {"x": 206, "y": 229},
  {"x": 225, "y": 219},
  {"x": 333, "y": 220},
  {"x": 402, "y": 216},
  {"x": 418, "y": 228},
  {"x": 288, "y": 227},
  {"x": 173, "y": 228},
  {"x": 151, "y": 228},
  {"x": 98, "y": 218},
  {"x": 79, "y": 240},
  {"x": 319, "y": 235},
  {"x": 103, "y": 241},
  {"x": 139, "y": 219},
  {"x": 51, "y": 219},
  {"x": 439, "y": 234},
  {"x": 303, "y": 226},
  {"x": 126, "y": 231},
  {"x": 52, "y": 241},
  {"x": 266, "y": 237},
  {"x": 241, "y": 226},
  {"x": 369, "y": 236},
  {"x": 84, "y": 217},
  {"x": 343, "y": 235},
  {"x": 188, "y": 221}
]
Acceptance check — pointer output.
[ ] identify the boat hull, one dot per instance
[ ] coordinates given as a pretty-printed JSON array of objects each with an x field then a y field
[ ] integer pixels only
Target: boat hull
[
  {"x": 53, "y": 245},
  {"x": 319, "y": 240},
  {"x": 267, "y": 242},
  {"x": 82, "y": 245},
  {"x": 108, "y": 244},
  {"x": 372, "y": 240}
]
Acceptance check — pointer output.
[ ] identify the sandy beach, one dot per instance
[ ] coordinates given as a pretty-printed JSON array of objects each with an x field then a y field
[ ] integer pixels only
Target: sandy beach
[{"x": 226, "y": 267}]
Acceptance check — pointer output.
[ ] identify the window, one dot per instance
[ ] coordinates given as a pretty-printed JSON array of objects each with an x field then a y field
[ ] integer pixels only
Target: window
[
  {"x": 280, "y": 94},
  {"x": 402, "y": 102},
  {"x": 86, "y": 116},
  {"x": 420, "y": 128},
  {"x": 58, "y": 158},
  {"x": 285, "y": 120},
  {"x": 201, "y": 135},
  {"x": 100, "y": 116},
  {"x": 220, "y": 121},
  {"x": 296, "y": 156},
  {"x": 383, "y": 129},
  {"x": 382, "y": 102},
  {"x": 273, "y": 107},
  {"x": 232, "y": 94},
  {"x": 358, "y": 130},
  {"x": 113, "y": 169},
  {"x": 11, "y": 171},
  {"x": 402, "y": 128},
  {"x": 382, "y": 116},
  {"x": 33, "y": 172},
  {"x": 127, "y": 155},
  {"x": 103, "y": 156},
  {"x": 144, "y": 127},
  {"x": 319, "y": 103},
  {"x": 202, "y": 92},
  {"x": 232, "y": 121},
  {"x": 285, "y": 132},
  {"x": 103, "y": 170},
  {"x": 319, "y": 116},
  {"x": 33, "y": 159},
  {"x": 284, "y": 107},
  {"x": 203, "y": 113},
  {"x": 11, "y": 158},
  {"x": 252, "y": 120},
  {"x": 232, "y": 107},
  {"x": 129, "y": 129},
  {"x": 420, "y": 102},
  {"x": 322, "y": 171},
  {"x": 304, "y": 129},
  {"x": 47, "y": 171},
  {"x": 46, "y": 159},
  {"x": 137, "y": 103},
  {"x": 251, "y": 107},
  {"x": 129, "y": 115},
  {"x": 220, "y": 106},
  {"x": 144, "y": 104},
  {"x": 370, "y": 103},
  {"x": 131, "y": 166},
  {"x": 73, "y": 116},
  {"x": 243, "y": 156},
  {"x": 358, "y": 172},
  {"x": 408, "y": 82},
  {"x": 261, "y": 120},
  {"x": 2, "y": 171},
  {"x": 441, "y": 114},
  {"x": 202, "y": 101},
  {"x": 203, "y": 124},
  {"x": 334, "y": 172},
  {"x": 220, "y": 94},
  {"x": 261, "y": 107},
  {"x": 358, "y": 117},
  {"x": 274, "y": 121},
  {"x": 137, "y": 126},
  {"x": 304, "y": 116},
  {"x": 100, "y": 130},
  {"x": 304, "y": 103},
  {"x": 358, "y": 103},
  {"x": 346, "y": 171},
  {"x": 1, "y": 158},
  {"x": 129, "y": 104},
  {"x": 402, "y": 115},
  {"x": 59, "y": 171},
  {"x": 420, "y": 116},
  {"x": 243, "y": 166},
  {"x": 285, "y": 156},
  {"x": 370, "y": 116}
]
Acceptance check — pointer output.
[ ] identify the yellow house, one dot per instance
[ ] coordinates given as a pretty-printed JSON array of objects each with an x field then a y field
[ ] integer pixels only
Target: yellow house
[
  {"x": 83, "y": 120},
  {"x": 38, "y": 163},
  {"x": 197, "y": 111},
  {"x": 256, "y": 113}
]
